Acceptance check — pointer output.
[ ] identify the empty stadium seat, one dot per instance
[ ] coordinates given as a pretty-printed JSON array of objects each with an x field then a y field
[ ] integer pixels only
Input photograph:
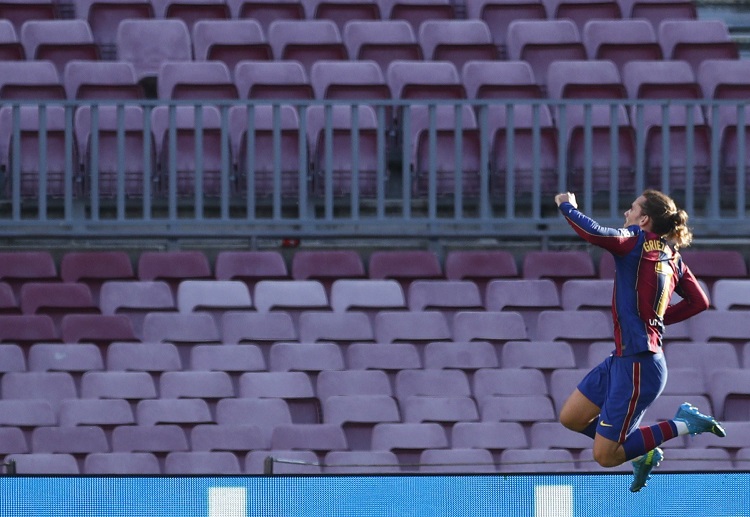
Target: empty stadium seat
[
  {"x": 117, "y": 385},
  {"x": 20, "y": 11},
  {"x": 542, "y": 41},
  {"x": 466, "y": 356},
  {"x": 456, "y": 460},
  {"x": 525, "y": 409},
  {"x": 411, "y": 326},
  {"x": 417, "y": 11},
  {"x": 10, "y": 46},
  {"x": 358, "y": 415},
  {"x": 58, "y": 41},
  {"x": 424, "y": 80},
  {"x": 281, "y": 80},
  {"x": 54, "y": 387},
  {"x": 31, "y": 80},
  {"x": 45, "y": 463},
  {"x": 306, "y": 41},
  {"x": 250, "y": 266},
  {"x": 173, "y": 265},
  {"x": 621, "y": 41},
  {"x": 342, "y": 12},
  {"x": 457, "y": 41},
  {"x": 235, "y": 359},
  {"x": 408, "y": 440},
  {"x": 342, "y": 328},
  {"x": 197, "y": 80},
  {"x": 381, "y": 41},
  {"x": 133, "y": 463},
  {"x": 192, "y": 11},
  {"x": 536, "y": 460},
  {"x": 267, "y": 11},
  {"x": 230, "y": 41},
  {"x": 696, "y": 40},
  {"x": 362, "y": 295},
  {"x": 583, "y": 11},
  {"x": 558, "y": 265},
  {"x": 277, "y": 175},
  {"x": 307, "y": 357},
  {"x": 240, "y": 326},
  {"x": 729, "y": 391},
  {"x": 156, "y": 439},
  {"x": 494, "y": 327},
  {"x": 180, "y": 328},
  {"x": 103, "y": 413},
  {"x": 104, "y": 16},
  {"x": 236, "y": 438},
  {"x": 196, "y": 384},
  {"x": 62, "y": 357},
  {"x": 213, "y": 296},
  {"x": 146, "y": 43},
  {"x": 437, "y": 383},
  {"x": 498, "y": 14},
  {"x": 391, "y": 357},
  {"x": 361, "y": 462},
  {"x": 657, "y": 11},
  {"x": 184, "y": 412},
  {"x": 143, "y": 357},
  {"x": 202, "y": 463},
  {"x": 508, "y": 380},
  {"x": 500, "y": 79},
  {"x": 283, "y": 462},
  {"x": 731, "y": 293}
]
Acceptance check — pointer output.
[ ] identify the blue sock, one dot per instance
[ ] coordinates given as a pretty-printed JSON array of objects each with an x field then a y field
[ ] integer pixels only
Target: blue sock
[{"x": 590, "y": 430}]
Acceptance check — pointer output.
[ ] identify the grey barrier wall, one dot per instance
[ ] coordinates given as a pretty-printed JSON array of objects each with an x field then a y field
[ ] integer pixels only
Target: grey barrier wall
[{"x": 363, "y": 168}]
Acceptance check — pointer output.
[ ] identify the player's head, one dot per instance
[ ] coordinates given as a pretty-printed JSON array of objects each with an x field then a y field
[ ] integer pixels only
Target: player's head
[{"x": 665, "y": 218}]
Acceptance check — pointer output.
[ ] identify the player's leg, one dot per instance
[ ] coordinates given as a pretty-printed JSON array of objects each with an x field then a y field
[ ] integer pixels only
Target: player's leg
[{"x": 580, "y": 414}]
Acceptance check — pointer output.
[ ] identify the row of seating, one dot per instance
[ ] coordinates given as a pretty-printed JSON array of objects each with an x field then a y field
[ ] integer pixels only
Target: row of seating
[
  {"x": 308, "y": 41},
  {"x": 404, "y": 265},
  {"x": 545, "y": 370}
]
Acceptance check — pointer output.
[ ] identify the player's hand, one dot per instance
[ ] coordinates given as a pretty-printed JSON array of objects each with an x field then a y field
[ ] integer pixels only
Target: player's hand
[{"x": 566, "y": 196}]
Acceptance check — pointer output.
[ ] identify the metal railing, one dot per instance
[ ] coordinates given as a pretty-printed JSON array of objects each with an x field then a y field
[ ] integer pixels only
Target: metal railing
[{"x": 387, "y": 169}]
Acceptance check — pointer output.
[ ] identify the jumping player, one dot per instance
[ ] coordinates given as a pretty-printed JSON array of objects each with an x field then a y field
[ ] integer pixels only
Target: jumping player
[{"x": 610, "y": 401}]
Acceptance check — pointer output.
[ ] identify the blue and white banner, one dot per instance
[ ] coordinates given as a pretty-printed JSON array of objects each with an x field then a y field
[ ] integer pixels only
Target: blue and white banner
[{"x": 683, "y": 495}]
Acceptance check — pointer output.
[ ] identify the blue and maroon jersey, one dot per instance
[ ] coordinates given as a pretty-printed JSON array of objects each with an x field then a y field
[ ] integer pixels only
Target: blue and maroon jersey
[{"x": 648, "y": 271}]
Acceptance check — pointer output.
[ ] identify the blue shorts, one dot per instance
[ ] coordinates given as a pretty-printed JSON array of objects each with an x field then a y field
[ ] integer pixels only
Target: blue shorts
[{"x": 624, "y": 387}]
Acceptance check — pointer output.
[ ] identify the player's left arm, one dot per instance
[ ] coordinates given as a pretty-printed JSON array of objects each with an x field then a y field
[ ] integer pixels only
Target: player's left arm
[{"x": 694, "y": 298}]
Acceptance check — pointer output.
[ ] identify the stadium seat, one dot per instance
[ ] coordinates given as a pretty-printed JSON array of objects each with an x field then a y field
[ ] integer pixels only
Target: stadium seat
[
  {"x": 230, "y": 41},
  {"x": 408, "y": 440},
  {"x": 257, "y": 327},
  {"x": 103, "y": 413},
  {"x": 498, "y": 14},
  {"x": 361, "y": 462},
  {"x": 196, "y": 384},
  {"x": 131, "y": 386},
  {"x": 10, "y": 46},
  {"x": 202, "y": 463},
  {"x": 93, "y": 268},
  {"x": 338, "y": 167},
  {"x": 8, "y": 301},
  {"x": 104, "y": 16},
  {"x": 593, "y": 79},
  {"x": 12, "y": 358},
  {"x": 48, "y": 174},
  {"x": 267, "y": 11},
  {"x": 543, "y": 355},
  {"x": 496, "y": 328},
  {"x": 351, "y": 382},
  {"x": 424, "y": 80},
  {"x": 668, "y": 80},
  {"x": 306, "y": 41},
  {"x": 370, "y": 295},
  {"x": 558, "y": 265},
  {"x": 358, "y": 415},
  {"x": 536, "y": 460},
  {"x": 184, "y": 412},
  {"x": 173, "y": 266},
  {"x": 56, "y": 298},
  {"x": 27, "y": 413},
  {"x": 444, "y": 410},
  {"x": 692, "y": 460},
  {"x": 236, "y": 438},
  {"x": 382, "y": 41},
  {"x": 212, "y": 296},
  {"x": 293, "y": 388},
  {"x": 583, "y": 11},
  {"x": 731, "y": 294},
  {"x": 525, "y": 409},
  {"x": 20, "y": 11},
  {"x": 431, "y": 383},
  {"x": 327, "y": 264},
  {"x": 320, "y": 438},
  {"x": 127, "y": 463},
  {"x": 390, "y": 357},
  {"x": 289, "y": 295},
  {"x": 729, "y": 391},
  {"x": 696, "y": 40},
  {"x": 180, "y": 176},
  {"x": 342, "y": 328},
  {"x": 156, "y": 439},
  {"x": 552, "y": 435},
  {"x": 493, "y": 436},
  {"x": 192, "y": 11},
  {"x": 130, "y": 172},
  {"x": 562, "y": 382},
  {"x": 465, "y": 356},
  {"x": 30, "y": 80},
  {"x": 360, "y": 79},
  {"x": 621, "y": 41},
  {"x": 713, "y": 265},
  {"x": 147, "y": 43},
  {"x": 279, "y": 175},
  {"x": 197, "y": 80},
  {"x": 250, "y": 266},
  {"x": 54, "y": 387},
  {"x": 590, "y": 293},
  {"x": 455, "y": 460},
  {"x": 579, "y": 328},
  {"x": 307, "y": 357},
  {"x": 457, "y": 41},
  {"x": 417, "y": 11},
  {"x": 501, "y": 80},
  {"x": 508, "y": 380},
  {"x": 411, "y": 326},
  {"x": 542, "y": 41},
  {"x": 284, "y": 462},
  {"x": 657, "y": 11},
  {"x": 64, "y": 357},
  {"x": 717, "y": 325},
  {"x": 26, "y": 329},
  {"x": 180, "y": 328},
  {"x": 234, "y": 359},
  {"x": 263, "y": 413},
  {"x": 135, "y": 299},
  {"x": 44, "y": 463},
  {"x": 278, "y": 80},
  {"x": 342, "y": 12},
  {"x": 58, "y": 41},
  {"x": 154, "y": 358},
  {"x": 514, "y": 294}
]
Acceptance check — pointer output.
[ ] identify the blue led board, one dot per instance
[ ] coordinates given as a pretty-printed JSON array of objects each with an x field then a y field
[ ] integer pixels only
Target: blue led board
[{"x": 683, "y": 495}]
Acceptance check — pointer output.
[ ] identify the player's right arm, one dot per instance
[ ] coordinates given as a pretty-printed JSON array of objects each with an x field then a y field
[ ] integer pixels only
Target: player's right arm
[{"x": 616, "y": 240}]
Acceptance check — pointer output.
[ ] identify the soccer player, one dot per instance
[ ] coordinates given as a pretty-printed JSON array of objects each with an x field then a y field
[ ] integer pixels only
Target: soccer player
[{"x": 610, "y": 401}]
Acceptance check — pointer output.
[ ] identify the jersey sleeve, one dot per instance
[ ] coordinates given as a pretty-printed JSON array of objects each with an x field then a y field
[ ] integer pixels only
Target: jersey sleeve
[
  {"x": 694, "y": 299},
  {"x": 618, "y": 241}
]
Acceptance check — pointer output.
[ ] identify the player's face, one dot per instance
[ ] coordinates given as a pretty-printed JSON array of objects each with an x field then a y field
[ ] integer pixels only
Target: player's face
[{"x": 634, "y": 215}]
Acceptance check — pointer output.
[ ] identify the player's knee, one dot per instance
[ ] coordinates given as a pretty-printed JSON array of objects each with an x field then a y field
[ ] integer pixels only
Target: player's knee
[
  {"x": 570, "y": 421},
  {"x": 605, "y": 458}
]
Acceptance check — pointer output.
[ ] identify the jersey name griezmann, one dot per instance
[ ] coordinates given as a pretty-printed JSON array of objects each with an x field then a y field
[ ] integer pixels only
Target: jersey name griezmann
[{"x": 653, "y": 245}]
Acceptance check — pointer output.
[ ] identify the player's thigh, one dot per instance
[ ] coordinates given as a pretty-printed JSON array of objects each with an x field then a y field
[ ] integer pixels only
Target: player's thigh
[{"x": 578, "y": 411}]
